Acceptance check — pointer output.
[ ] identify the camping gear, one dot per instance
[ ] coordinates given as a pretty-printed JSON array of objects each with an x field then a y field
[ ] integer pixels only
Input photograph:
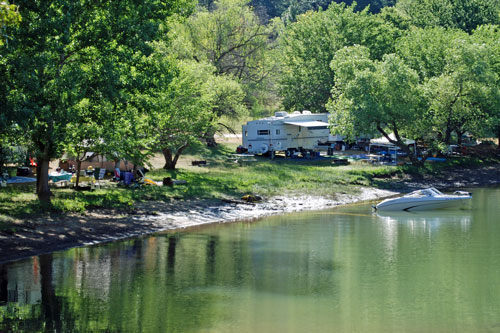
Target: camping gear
[{"x": 127, "y": 178}]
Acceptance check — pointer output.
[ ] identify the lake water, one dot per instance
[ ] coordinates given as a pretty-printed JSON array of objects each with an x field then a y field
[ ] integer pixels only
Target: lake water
[{"x": 343, "y": 270}]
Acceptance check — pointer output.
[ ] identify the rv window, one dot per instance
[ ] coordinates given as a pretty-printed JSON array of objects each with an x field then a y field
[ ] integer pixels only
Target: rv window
[
  {"x": 263, "y": 132},
  {"x": 318, "y": 128},
  {"x": 277, "y": 132},
  {"x": 246, "y": 133}
]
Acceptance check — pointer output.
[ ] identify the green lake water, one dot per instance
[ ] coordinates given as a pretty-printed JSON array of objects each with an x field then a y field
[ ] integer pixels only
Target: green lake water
[{"x": 340, "y": 270}]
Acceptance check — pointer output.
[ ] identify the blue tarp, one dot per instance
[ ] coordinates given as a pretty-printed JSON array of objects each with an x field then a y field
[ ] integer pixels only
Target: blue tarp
[{"x": 20, "y": 180}]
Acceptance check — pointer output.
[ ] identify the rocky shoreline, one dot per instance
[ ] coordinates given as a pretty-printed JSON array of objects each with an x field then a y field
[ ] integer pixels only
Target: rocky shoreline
[
  {"x": 48, "y": 233},
  {"x": 51, "y": 233}
]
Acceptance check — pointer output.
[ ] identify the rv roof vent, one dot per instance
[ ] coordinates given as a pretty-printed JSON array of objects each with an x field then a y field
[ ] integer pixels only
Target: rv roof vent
[
  {"x": 306, "y": 112},
  {"x": 280, "y": 113},
  {"x": 296, "y": 112}
]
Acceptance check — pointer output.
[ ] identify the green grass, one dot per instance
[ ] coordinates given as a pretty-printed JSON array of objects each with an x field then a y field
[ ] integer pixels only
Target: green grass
[{"x": 221, "y": 178}]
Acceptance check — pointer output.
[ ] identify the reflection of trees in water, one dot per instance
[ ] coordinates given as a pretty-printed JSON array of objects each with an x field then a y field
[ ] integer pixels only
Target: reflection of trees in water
[
  {"x": 51, "y": 306},
  {"x": 3, "y": 285},
  {"x": 156, "y": 283}
]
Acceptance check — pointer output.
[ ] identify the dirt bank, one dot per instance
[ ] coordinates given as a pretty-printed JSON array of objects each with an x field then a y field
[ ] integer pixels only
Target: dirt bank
[{"x": 49, "y": 233}]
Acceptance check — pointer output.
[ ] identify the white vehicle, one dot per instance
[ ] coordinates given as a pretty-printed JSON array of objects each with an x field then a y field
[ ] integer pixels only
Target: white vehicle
[
  {"x": 294, "y": 132},
  {"x": 424, "y": 199}
]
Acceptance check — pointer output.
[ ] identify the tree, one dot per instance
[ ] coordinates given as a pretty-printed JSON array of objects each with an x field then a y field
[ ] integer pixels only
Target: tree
[
  {"x": 376, "y": 96},
  {"x": 9, "y": 16},
  {"x": 179, "y": 100},
  {"x": 442, "y": 83},
  {"x": 45, "y": 54},
  {"x": 489, "y": 37},
  {"x": 457, "y": 76},
  {"x": 183, "y": 113},
  {"x": 466, "y": 15},
  {"x": 53, "y": 47},
  {"x": 232, "y": 39},
  {"x": 227, "y": 101},
  {"x": 308, "y": 46}
]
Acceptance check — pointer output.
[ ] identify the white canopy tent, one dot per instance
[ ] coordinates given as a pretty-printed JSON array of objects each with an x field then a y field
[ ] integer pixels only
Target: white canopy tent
[
  {"x": 391, "y": 148},
  {"x": 307, "y": 124}
]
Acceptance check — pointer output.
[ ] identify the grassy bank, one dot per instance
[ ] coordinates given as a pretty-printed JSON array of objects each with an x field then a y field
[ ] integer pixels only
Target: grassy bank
[{"x": 222, "y": 178}]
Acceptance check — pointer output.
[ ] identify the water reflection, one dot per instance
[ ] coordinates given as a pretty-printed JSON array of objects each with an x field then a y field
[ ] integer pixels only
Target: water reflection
[
  {"x": 425, "y": 220},
  {"x": 21, "y": 284},
  {"x": 344, "y": 269}
]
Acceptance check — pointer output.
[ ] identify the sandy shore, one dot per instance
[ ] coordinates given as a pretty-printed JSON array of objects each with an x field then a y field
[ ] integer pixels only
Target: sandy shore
[{"x": 50, "y": 233}]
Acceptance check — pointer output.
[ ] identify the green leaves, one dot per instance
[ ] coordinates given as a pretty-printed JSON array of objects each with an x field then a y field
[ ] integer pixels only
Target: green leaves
[
  {"x": 309, "y": 45},
  {"x": 373, "y": 94},
  {"x": 466, "y": 15},
  {"x": 439, "y": 84},
  {"x": 9, "y": 16}
]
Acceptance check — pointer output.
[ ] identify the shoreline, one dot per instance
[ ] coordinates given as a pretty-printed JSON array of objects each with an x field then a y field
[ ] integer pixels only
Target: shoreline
[{"x": 50, "y": 233}]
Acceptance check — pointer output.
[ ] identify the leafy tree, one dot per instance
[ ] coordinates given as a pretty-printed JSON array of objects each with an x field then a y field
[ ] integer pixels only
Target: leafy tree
[
  {"x": 376, "y": 96},
  {"x": 180, "y": 100},
  {"x": 457, "y": 76},
  {"x": 462, "y": 14},
  {"x": 231, "y": 38},
  {"x": 309, "y": 45},
  {"x": 9, "y": 16},
  {"x": 489, "y": 37},
  {"x": 228, "y": 102},
  {"x": 183, "y": 115},
  {"x": 442, "y": 82},
  {"x": 52, "y": 49},
  {"x": 45, "y": 55}
]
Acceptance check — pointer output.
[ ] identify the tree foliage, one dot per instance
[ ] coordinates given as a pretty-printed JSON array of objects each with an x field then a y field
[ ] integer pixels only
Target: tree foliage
[
  {"x": 488, "y": 36},
  {"x": 55, "y": 60},
  {"x": 180, "y": 102},
  {"x": 376, "y": 97},
  {"x": 441, "y": 82},
  {"x": 458, "y": 77},
  {"x": 232, "y": 40},
  {"x": 309, "y": 45},
  {"x": 466, "y": 15},
  {"x": 9, "y": 16}
]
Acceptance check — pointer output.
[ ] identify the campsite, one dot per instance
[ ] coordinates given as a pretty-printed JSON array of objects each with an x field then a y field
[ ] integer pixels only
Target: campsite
[{"x": 216, "y": 165}]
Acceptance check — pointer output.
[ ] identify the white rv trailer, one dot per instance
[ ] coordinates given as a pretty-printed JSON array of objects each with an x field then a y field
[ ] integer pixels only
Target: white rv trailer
[{"x": 297, "y": 131}]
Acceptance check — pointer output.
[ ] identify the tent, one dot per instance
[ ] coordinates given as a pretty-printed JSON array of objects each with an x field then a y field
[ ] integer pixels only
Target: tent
[
  {"x": 382, "y": 141},
  {"x": 391, "y": 148}
]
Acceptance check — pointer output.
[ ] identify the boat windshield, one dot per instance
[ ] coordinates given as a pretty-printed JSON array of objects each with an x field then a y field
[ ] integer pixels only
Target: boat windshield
[{"x": 426, "y": 192}]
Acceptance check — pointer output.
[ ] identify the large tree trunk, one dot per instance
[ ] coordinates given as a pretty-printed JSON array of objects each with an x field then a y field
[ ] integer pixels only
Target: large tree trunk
[
  {"x": 167, "y": 154},
  {"x": 210, "y": 140},
  {"x": 447, "y": 136},
  {"x": 170, "y": 158},
  {"x": 78, "y": 168},
  {"x": 459, "y": 137},
  {"x": 1, "y": 160},
  {"x": 42, "y": 179}
]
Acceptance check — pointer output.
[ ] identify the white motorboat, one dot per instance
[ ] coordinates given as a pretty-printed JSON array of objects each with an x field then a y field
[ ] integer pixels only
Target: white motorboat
[{"x": 424, "y": 199}]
